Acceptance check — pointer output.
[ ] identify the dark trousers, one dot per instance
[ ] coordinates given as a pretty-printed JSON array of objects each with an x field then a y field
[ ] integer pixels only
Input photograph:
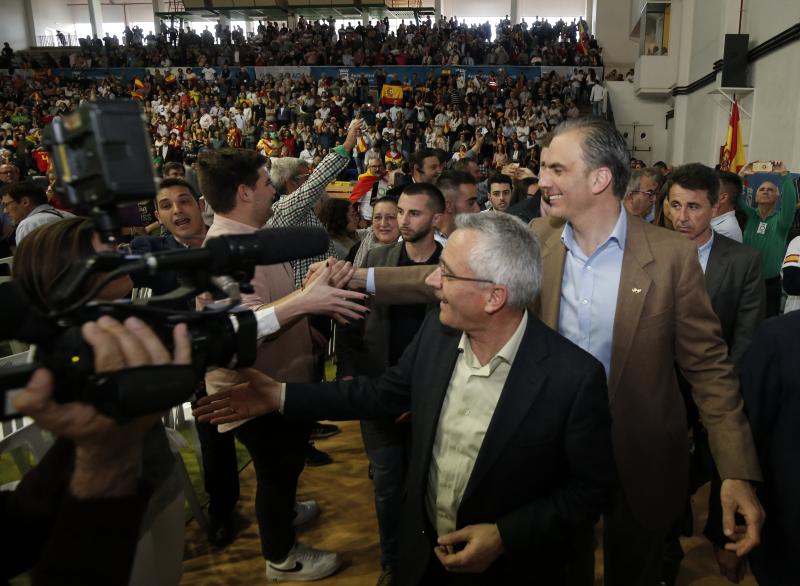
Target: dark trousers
[
  {"x": 278, "y": 449},
  {"x": 220, "y": 471},
  {"x": 387, "y": 445},
  {"x": 774, "y": 292},
  {"x": 632, "y": 554}
]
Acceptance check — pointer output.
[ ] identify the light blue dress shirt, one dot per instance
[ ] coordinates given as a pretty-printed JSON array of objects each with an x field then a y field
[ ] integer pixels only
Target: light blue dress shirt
[
  {"x": 704, "y": 251},
  {"x": 589, "y": 292}
]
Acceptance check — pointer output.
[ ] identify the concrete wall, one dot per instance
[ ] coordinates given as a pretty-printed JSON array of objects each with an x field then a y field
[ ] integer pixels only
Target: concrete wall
[
  {"x": 701, "y": 118},
  {"x": 630, "y": 109},
  {"x": 612, "y": 28},
  {"x": 459, "y": 8},
  {"x": 545, "y": 8},
  {"x": 13, "y": 26},
  {"x": 61, "y": 15}
]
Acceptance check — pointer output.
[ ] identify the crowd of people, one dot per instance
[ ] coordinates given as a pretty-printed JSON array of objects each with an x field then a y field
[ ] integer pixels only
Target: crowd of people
[
  {"x": 446, "y": 42},
  {"x": 543, "y": 321},
  {"x": 494, "y": 121}
]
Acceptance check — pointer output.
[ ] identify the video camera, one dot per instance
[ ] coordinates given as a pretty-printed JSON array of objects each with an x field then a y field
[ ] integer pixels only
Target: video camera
[{"x": 101, "y": 155}]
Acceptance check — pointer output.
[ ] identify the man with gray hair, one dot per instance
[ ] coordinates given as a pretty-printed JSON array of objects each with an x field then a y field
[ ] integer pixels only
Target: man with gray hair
[
  {"x": 511, "y": 456},
  {"x": 642, "y": 192},
  {"x": 633, "y": 296},
  {"x": 300, "y": 190}
]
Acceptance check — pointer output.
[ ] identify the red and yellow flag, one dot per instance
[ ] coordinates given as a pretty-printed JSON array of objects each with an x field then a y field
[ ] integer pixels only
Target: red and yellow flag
[
  {"x": 392, "y": 95},
  {"x": 364, "y": 185},
  {"x": 733, "y": 157},
  {"x": 361, "y": 145}
]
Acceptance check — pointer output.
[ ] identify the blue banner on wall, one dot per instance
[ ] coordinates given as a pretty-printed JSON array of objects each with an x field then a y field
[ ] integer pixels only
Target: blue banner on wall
[{"x": 393, "y": 73}]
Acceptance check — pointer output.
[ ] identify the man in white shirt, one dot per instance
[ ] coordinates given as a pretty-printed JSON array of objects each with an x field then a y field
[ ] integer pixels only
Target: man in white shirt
[
  {"x": 724, "y": 221},
  {"x": 597, "y": 97},
  {"x": 27, "y": 206}
]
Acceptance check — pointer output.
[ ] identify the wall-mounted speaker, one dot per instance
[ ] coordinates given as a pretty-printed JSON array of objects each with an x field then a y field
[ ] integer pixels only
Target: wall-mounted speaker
[{"x": 734, "y": 61}]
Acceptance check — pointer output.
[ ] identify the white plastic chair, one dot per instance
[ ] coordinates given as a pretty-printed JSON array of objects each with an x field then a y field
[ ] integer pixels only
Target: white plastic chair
[
  {"x": 16, "y": 347},
  {"x": 9, "y": 261},
  {"x": 177, "y": 442},
  {"x": 21, "y": 432}
]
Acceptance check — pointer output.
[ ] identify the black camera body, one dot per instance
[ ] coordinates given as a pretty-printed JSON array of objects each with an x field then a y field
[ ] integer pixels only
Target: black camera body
[
  {"x": 101, "y": 154},
  {"x": 102, "y": 158}
]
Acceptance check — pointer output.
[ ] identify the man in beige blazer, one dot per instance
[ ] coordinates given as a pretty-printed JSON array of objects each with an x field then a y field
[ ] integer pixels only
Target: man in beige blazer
[{"x": 647, "y": 312}]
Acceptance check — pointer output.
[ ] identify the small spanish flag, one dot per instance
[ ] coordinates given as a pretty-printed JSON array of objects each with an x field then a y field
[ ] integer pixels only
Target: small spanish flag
[
  {"x": 392, "y": 95},
  {"x": 170, "y": 78},
  {"x": 361, "y": 145}
]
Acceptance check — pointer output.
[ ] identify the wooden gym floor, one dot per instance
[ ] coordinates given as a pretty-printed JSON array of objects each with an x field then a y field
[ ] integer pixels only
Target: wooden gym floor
[{"x": 347, "y": 525}]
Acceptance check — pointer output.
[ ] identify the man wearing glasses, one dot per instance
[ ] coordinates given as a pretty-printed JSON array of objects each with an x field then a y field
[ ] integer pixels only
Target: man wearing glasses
[
  {"x": 643, "y": 188},
  {"x": 511, "y": 458}
]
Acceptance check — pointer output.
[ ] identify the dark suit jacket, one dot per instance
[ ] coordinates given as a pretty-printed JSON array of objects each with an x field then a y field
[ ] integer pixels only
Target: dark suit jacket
[
  {"x": 736, "y": 290},
  {"x": 528, "y": 209},
  {"x": 163, "y": 281},
  {"x": 738, "y": 298},
  {"x": 663, "y": 318},
  {"x": 771, "y": 391},
  {"x": 545, "y": 469}
]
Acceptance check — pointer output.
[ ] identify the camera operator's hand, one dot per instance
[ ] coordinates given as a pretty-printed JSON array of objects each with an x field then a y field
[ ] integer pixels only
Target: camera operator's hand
[
  {"x": 108, "y": 455},
  {"x": 258, "y": 397}
]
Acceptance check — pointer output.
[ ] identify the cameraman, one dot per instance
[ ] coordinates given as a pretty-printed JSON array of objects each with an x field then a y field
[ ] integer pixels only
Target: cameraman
[{"x": 75, "y": 518}]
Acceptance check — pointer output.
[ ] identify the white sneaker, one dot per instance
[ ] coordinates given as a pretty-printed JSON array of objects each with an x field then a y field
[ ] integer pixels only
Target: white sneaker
[
  {"x": 305, "y": 512},
  {"x": 304, "y": 564}
]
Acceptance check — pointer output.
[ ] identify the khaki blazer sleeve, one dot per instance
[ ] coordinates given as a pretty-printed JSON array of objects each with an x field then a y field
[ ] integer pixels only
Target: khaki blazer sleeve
[
  {"x": 402, "y": 285},
  {"x": 701, "y": 355}
]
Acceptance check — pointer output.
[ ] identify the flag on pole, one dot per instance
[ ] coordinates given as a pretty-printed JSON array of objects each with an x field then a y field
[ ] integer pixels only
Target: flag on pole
[{"x": 733, "y": 157}]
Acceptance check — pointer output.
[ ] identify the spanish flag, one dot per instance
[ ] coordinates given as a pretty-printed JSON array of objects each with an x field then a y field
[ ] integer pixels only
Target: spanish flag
[
  {"x": 170, "y": 78},
  {"x": 392, "y": 95},
  {"x": 733, "y": 157},
  {"x": 361, "y": 145},
  {"x": 363, "y": 186},
  {"x": 138, "y": 92}
]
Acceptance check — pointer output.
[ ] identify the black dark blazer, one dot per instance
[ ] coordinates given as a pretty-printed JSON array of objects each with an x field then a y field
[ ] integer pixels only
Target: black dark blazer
[
  {"x": 736, "y": 288},
  {"x": 545, "y": 470},
  {"x": 771, "y": 391}
]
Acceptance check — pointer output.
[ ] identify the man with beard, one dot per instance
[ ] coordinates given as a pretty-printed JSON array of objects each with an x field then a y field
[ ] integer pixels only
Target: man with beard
[{"x": 377, "y": 344}]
